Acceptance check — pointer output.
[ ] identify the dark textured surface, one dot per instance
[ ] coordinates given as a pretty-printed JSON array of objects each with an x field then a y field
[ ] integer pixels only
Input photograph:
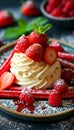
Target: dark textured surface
[{"x": 9, "y": 123}]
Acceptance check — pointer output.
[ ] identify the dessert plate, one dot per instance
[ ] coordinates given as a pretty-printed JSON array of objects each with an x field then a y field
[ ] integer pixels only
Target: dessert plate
[{"x": 40, "y": 111}]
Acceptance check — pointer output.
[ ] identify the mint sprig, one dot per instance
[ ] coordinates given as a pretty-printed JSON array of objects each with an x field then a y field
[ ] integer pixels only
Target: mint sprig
[
  {"x": 42, "y": 29},
  {"x": 23, "y": 27}
]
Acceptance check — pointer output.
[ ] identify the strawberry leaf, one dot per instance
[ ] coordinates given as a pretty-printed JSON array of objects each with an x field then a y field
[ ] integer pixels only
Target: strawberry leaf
[{"x": 42, "y": 29}]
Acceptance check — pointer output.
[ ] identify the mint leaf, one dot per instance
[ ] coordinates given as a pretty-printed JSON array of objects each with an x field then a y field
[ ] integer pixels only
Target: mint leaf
[
  {"x": 23, "y": 27},
  {"x": 42, "y": 28},
  {"x": 13, "y": 33},
  {"x": 22, "y": 23},
  {"x": 46, "y": 27}
]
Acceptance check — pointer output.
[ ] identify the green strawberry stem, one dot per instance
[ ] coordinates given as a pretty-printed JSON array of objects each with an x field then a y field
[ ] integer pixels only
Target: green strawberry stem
[{"x": 41, "y": 28}]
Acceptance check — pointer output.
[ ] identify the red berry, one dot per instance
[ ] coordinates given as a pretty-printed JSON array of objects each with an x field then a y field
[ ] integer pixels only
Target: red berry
[
  {"x": 67, "y": 74},
  {"x": 6, "y": 79},
  {"x": 69, "y": 5},
  {"x": 56, "y": 12},
  {"x": 49, "y": 8},
  {"x": 6, "y": 18},
  {"x": 22, "y": 44},
  {"x": 50, "y": 55},
  {"x": 34, "y": 37},
  {"x": 22, "y": 97},
  {"x": 57, "y": 46},
  {"x": 35, "y": 52},
  {"x": 27, "y": 98},
  {"x": 55, "y": 99},
  {"x": 30, "y": 9},
  {"x": 54, "y": 3},
  {"x": 60, "y": 86},
  {"x": 71, "y": 13}
]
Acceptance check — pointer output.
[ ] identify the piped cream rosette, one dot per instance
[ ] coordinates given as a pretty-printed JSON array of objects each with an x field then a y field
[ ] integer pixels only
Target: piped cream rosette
[{"x": 31, "y": 74}]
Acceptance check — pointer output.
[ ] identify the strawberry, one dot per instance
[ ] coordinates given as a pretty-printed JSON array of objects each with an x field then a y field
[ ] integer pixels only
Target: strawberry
[
  {"x": 22, "y": 44},
  {"x": 56, "y": 12},
  {"x": 30, "y": 9},
  {"x": 55, "y": 99},
  {"x": 27, "y": 98},
  {"x": 6, "y": 79},
  {"x": 50, "y": 55},
  {"x": 68, "y": 75},
  {"x": 71, "y": 13},
  {"x": 57, "y": 46},
  {"x": 69, "y": 5},
  {"x": 35, "y": 52},
  {"x": 39, "y": 36},
  {"x": 6, "y": 18},
  {"x": 49, "y": 8},
  {"x": 60, "y": 85},
  {"x": 34, "y": 37}
]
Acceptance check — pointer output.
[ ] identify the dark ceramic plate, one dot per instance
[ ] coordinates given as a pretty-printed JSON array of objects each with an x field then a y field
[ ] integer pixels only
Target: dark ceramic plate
[{"x": 40, "y": 111}]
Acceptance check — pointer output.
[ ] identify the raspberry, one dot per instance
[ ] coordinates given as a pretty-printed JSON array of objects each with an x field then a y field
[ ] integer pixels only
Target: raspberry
[
  {"x": 49, "y": 8},
  {"x": 67, "y": 74},
  {"x": 22, "y": 97},
  {"x": 27, "y": 98},
  {"x": 60, "y": 86},
  {"x": 55, "y": 99},
  {"x": 69, "y": 5},
  {"x": 54, "y": 2},
  {"x": 56, "y": 12},
  {"x": 71, "y": 13}
]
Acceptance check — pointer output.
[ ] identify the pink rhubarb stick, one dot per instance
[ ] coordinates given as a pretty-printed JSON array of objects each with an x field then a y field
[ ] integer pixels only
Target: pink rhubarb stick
[
  {"x": 67, "y": 56},
  {"x": 6, "y": 65},
  {"x": 38, "y": 94}
]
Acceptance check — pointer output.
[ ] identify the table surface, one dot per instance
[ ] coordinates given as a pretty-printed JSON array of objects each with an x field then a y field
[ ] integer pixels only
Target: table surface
[{"x": 9, "y": 123}]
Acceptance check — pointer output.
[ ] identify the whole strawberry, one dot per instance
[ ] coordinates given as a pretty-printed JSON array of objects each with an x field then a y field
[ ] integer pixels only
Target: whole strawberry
[
  {"x": 39, "y": 36},
  {"x": 30, "y": 9},
  {"x": 6, "y": 18},
  {"x": 22, "y": 44},
  {"x": 35, "y": 52}
]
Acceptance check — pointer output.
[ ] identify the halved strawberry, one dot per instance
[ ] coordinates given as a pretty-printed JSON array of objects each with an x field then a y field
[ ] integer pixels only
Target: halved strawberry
[
  {"x": 35, "y": 52},
  {"x": 22, "y": 44},
  {"x": 50, "y": 55},
  {"x": 6, "y": 79}
]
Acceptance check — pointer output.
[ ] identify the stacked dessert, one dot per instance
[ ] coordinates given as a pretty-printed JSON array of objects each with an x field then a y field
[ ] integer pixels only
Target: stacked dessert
[{"x": 35, "y": 65}]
